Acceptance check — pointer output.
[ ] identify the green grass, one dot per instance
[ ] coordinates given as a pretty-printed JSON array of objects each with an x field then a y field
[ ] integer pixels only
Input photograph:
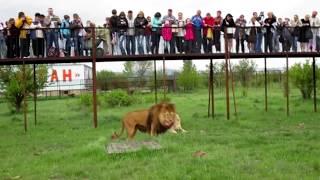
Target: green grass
[{"x": 254, "y": 145}]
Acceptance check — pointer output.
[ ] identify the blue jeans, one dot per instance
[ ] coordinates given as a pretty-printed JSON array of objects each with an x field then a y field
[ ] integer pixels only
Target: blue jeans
[
  {"x": 122, "y": 42},
  {"x": 258, "y": 48},
  {"x": 140, "y": 41},
  {"x": 295, "y": 43},
  {"x": 78, "y": 45},
  {"x": 3, "y": 47},
  {"x": 68, "y": 45},
  {"x": 52, "y": 38},
  {"x": 198, "y": 40},
  {"x": 148, "y": 43},
  {"x": 131, "y": 50}
]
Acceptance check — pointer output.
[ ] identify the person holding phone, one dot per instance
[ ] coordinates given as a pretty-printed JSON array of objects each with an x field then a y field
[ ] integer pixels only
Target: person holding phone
[{"x": 52, "y": 22}]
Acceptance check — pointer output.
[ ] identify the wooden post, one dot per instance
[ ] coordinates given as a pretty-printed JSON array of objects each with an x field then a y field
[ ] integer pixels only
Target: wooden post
[{"x": 94, "y": 78}]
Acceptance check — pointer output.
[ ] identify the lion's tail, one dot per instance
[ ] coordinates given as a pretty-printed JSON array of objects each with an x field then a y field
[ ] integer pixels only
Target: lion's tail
[{"x": 115, "y": 135}]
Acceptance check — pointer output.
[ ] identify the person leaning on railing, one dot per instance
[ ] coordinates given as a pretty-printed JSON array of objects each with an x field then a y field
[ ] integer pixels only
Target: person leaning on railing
[
  {"x": 156, "y": 33},
  {"x": 140, "y": 24},
  {"x": 197, "y": 22},
  {"x": 12, "y": 33},
  {"x": 252, "y": 33},
  {"x": 37, "y": 36},
  {"x": 78, "y": 33},
  {"x": 147, "y": 33},
  {"x": 180, "y": 34},
  {"x": 130, "y": 40},
  {"x": 122, "y": 25},
  {"x": 217, "y": 31},
  {"x": 314, "y": 43},
  {"x": 228, "y": 26},
  {"x": 189, "y": 36},
  {"x": 23, "y": 23},
  {"x": 305, "y": 33},
  {"x": 285, "y": 35},
  {"x": 270, "y": 28},
  {"x": 240, "y": 34},
  {"x": 260, "y": 31},
  {"x": 52, "y": 22},
  {"x": 65, "y": 35},
  {"x": 208, "y": 23},
  {"x": 173, "y": 22},
  {"x": 295, "y": 28}
]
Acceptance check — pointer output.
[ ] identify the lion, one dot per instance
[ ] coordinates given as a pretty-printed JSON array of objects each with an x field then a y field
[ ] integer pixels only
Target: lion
[
  {"x": 177, "y": 126},
  {"x": 155, "y": 120}
]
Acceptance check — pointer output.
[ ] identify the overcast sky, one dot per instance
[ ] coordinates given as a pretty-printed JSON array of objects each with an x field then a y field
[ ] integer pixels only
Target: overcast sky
[{"x": 97, "y": 10}]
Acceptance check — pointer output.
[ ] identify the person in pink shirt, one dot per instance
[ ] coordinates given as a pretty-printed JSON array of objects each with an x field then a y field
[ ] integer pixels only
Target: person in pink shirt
[
  {"x": 166, "y": 35},
  {"x": 189, "y": 36}
]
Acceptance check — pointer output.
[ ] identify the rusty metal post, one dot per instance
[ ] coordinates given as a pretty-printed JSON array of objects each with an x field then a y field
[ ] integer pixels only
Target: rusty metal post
[
  {"x": 155, "y": 81},
  {"x": 265, "y": 85},
  {"x": 94, "y": 78},
  {"x": 287, "y": 84},
  {"x": 232, "y": 88},
  {"x": 35, "y": 94},
  {"x": 227, "y": 74},
  {"x": 24, "y": 98},
  {"x": 164, "y": 78},
  {"x": 211, "y": 91},
  {"x": 314, "y": 84}
]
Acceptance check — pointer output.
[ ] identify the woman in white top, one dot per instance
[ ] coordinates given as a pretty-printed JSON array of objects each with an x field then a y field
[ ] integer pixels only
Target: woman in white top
[
  {"x": 37, "y": 36},
  {"x": 180, "y": 33}
]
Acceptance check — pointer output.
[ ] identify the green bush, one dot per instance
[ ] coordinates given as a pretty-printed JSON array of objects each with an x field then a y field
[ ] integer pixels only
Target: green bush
[
  {"x": 302, "y": 77},
  {"x": 118, "y": 98},
  {"x": 86, "y": 99}
]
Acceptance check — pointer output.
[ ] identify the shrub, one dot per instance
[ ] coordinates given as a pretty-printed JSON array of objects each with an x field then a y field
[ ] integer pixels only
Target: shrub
[
  {"x": 86, "y": 100},
  {"x": 301, "y": 76},
  {"x": 118, "y": 98}
]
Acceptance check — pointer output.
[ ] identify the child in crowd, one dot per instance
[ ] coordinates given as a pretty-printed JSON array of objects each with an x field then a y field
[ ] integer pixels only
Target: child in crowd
[
  {"x": 189, "y": 36},
  {"x": 167, "y": 35}
]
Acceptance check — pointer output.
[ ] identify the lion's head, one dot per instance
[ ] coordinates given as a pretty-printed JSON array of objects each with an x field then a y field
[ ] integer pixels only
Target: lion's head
[{"x": 167, "y": 115}]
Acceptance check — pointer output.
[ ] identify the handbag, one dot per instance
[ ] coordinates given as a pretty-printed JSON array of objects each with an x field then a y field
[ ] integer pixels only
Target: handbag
[{"x": 209, "y": 34}]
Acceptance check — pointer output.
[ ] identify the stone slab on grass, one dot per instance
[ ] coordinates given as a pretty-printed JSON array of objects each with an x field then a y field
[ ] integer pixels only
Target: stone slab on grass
[{"x": 131, "y": 146}]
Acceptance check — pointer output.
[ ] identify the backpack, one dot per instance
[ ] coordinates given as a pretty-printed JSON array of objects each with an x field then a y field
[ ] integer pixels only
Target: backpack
[{"x": 53, "y": 52}]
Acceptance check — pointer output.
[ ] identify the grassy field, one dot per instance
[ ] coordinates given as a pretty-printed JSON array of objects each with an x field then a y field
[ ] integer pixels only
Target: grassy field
[{"x": 254, "y": 145}]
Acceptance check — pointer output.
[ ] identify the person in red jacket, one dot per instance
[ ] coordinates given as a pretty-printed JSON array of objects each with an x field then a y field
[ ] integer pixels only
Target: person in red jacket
[{"x": 208, "y": 23}]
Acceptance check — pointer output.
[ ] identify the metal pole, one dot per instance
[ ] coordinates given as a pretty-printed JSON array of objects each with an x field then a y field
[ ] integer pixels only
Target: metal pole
[
  {"x": 35, "y": 94},
  {"x": 232, "y": 87},
  {"x": 212, "y": 89},
  {"x": 314, "y": 84},
  {"x": 24, "y": 98},
  {"x": 227, "y": 74},
  {"x": 265, "y": 85},
  {"x": 155, "y": 81},
  {"x": 287, "y": 84},
  {"x": 94, "y": 79},
  {"x": 164, "y": 78}
]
